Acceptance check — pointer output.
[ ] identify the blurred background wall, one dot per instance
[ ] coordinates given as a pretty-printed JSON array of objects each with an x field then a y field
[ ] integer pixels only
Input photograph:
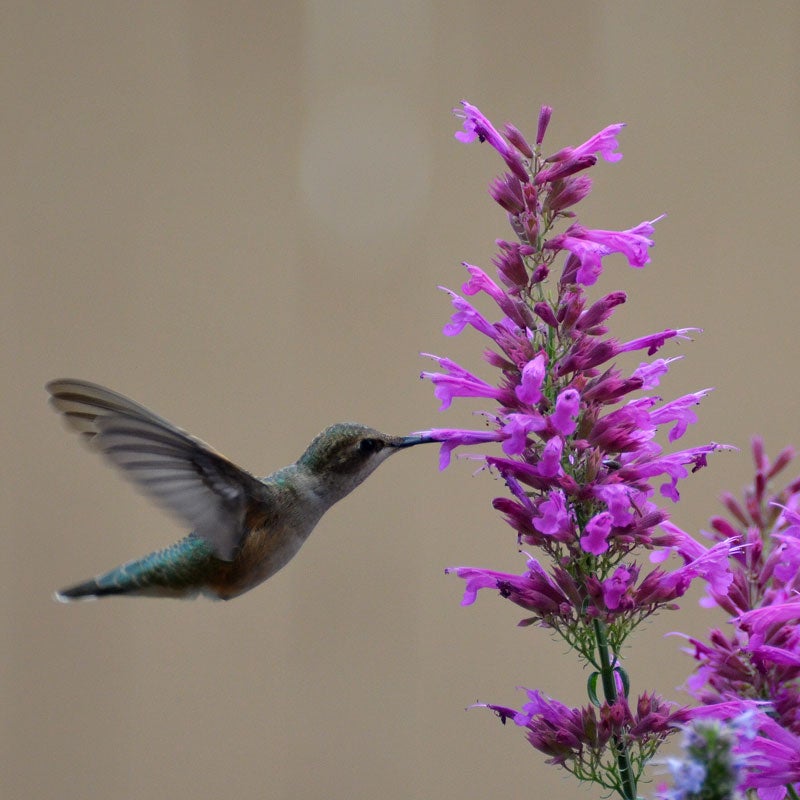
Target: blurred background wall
[{"x": 238, "y": 213}]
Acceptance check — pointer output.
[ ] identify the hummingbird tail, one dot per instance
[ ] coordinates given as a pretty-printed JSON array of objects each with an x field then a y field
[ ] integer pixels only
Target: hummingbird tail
[
  {"x": 88, "y": 590},
  {"x": 177, "y": 571},
  {"x": 93, "y": 588}
]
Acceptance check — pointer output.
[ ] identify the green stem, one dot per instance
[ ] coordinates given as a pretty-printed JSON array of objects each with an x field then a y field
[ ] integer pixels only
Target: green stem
[
  {"x": 627, "y": 778},
  {"x": 792, "y": 792}
]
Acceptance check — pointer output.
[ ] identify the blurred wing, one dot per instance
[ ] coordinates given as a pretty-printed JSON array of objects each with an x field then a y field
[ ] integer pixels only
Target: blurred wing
[{"x": 179, "y": 472}]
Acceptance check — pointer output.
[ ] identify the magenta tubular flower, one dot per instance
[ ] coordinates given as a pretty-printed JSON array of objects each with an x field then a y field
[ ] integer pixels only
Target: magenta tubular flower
[
  {"x": 476, "y": 126},
  {"x": 605, "y": 143},
  {"x": 457, "y": 382},
  {"x": 596, "y": 533},
  {"x": 579, "y": 446},
  {"x": 591, "y": 247}
]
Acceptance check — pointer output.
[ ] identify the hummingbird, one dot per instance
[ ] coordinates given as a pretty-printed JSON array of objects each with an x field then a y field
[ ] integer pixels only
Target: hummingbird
[{"x": 243, "y": 528}]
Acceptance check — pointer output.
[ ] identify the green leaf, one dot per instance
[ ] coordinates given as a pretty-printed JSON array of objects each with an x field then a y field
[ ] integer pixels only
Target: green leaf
[
  {"x": 626, "y": 681},
  {"x": 591, "y": 688}
]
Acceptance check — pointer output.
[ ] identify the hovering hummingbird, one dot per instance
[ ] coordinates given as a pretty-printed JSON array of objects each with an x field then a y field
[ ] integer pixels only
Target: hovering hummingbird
[{"x": 244, "y": 529}]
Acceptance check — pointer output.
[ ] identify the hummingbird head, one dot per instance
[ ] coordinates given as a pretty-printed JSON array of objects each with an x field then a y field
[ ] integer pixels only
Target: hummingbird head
[{"x": 345, "y": 454}]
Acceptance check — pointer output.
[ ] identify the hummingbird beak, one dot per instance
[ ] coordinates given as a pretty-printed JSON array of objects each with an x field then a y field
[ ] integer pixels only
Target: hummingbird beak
[{"x": 410, "y": 441}]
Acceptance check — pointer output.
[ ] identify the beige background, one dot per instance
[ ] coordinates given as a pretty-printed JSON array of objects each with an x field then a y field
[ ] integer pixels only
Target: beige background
[{"x": 238, "y": 213}]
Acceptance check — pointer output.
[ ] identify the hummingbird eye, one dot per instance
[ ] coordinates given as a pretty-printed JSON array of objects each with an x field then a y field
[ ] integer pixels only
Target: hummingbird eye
[{"x": 368, "y": 446}]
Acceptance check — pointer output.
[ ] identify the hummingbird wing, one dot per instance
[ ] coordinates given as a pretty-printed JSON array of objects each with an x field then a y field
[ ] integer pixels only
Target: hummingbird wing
[{"x": 178, "y": 471}]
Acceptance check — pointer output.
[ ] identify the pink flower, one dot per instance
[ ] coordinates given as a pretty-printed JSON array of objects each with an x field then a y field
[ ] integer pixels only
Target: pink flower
[
  {"x": 477, "y": 126},
  {"x": 563, "y": 418},
  {"x": 616, "y": 586},
  {"x": 458, "y": 382},
  {"x": 554, "y": 518},
  {"x": 591, "y": 246},
  {"x": 605, "y": 143},
  {"x": 530, "y": 385},
  {"x": 595, "y": 539},
  {"x": 467, "y": 314}
]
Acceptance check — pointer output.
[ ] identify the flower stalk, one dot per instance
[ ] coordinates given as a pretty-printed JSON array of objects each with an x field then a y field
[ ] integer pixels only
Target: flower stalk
[
  {"x": 608, "y": 678},
  {"x": 579, "y": 448}
]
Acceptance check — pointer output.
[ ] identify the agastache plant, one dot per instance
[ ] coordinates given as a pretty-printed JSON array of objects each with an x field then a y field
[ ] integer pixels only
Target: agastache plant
[
  {"x": 577, "y": 450},
  {"x": 752, "y": 670},
  {"x": 760, "y": 658}
]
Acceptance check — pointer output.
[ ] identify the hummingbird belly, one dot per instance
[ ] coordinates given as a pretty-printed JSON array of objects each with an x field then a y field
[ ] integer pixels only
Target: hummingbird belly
[{"x": 263, "y": 553}]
